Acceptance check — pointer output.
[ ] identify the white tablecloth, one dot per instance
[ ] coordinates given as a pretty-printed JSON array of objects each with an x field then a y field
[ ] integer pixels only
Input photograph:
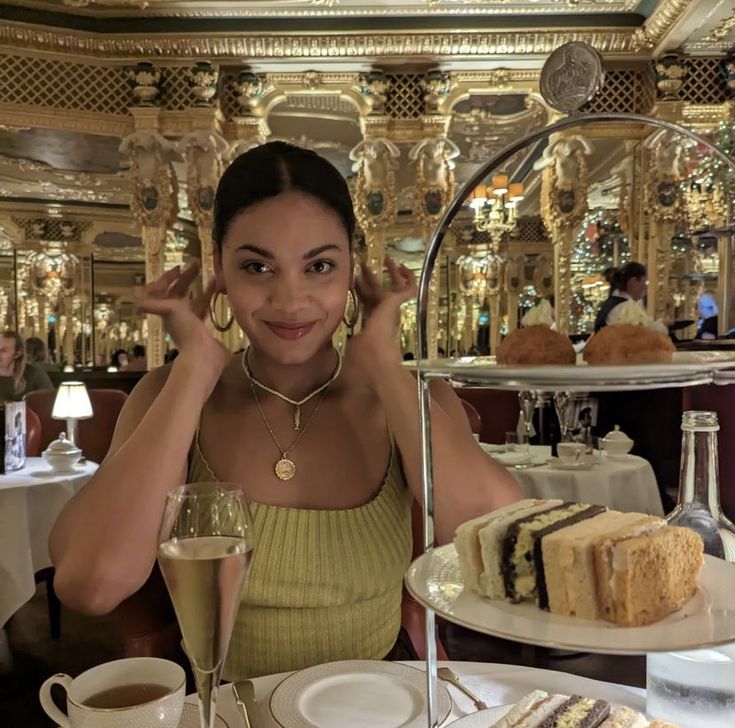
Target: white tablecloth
[
  {"x": 625, "y": 485},
  {"x": 495, "y": 684},
  {"x": 30, "y": 501}
]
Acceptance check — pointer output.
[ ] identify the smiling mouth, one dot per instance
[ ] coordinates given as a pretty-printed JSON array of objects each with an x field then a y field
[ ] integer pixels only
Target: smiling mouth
[{"x": 290, "y": 331}]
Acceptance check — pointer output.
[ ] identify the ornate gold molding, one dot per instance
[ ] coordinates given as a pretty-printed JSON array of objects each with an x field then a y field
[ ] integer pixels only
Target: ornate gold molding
[
  {"x": 663, "y": 18},
  {"x": 326, "y": 8},
  {"x": 88, "y": 122},
  {"x": 321, "y": 46}
]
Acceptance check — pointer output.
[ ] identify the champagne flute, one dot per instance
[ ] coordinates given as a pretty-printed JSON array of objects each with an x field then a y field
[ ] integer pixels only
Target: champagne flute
[{"x": 205, "y": 544}]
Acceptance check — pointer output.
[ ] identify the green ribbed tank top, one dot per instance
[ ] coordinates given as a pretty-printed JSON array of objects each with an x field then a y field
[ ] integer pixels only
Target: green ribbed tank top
[{"x": 323, "y": 584}]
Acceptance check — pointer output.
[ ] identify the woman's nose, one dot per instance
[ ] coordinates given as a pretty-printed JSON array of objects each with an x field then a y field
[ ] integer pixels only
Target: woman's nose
[{"x": 288, "y": 293}]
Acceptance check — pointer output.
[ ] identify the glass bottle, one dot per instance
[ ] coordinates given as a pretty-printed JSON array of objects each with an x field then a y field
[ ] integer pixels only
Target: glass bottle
[{"x": 698, "y": 505}]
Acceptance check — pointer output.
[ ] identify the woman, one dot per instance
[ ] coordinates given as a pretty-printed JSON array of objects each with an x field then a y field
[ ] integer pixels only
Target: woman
[
  {"x": 17, "y": 377},
  {"x": 628, "y": 283},
  {"x": 333, "y": 542}
]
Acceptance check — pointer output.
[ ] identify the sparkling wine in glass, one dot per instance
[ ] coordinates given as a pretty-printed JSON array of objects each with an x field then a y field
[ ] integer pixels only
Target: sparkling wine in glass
[{"x": 205, "y": 544}]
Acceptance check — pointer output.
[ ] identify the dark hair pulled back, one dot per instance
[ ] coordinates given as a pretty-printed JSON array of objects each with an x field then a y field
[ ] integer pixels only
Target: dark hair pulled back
[
  {"x": 270, "y": 169},
  {"x": 618, "y": 277}
]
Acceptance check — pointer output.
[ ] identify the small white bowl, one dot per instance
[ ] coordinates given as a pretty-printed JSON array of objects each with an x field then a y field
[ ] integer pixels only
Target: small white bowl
[
  {"x": 62, "y": 455},
  {"x": 616, "y": 446}
]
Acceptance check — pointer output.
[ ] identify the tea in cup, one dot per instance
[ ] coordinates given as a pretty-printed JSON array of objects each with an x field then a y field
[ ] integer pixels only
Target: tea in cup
[
  {"x": 145, "y": 692},
  {"x": 570, "y": 453}
]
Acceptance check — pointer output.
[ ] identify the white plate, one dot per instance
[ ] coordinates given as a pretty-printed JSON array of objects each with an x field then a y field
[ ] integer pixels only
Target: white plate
[
  {"x": 481, "y": 719},
  {"x": 687, "y": 367},
  {"x": 559, "y": 465},
  {"x": 358, "y": 694},
  {"x": 707, "y": 619}
]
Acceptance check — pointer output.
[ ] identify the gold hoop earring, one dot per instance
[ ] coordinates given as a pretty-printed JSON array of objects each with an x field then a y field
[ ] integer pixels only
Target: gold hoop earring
[
  {"x": 213, "y": 316},
  {"x": 355, "y": 310}
]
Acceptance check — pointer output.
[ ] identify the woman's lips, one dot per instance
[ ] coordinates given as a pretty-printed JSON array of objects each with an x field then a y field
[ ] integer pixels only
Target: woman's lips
[{"x": 290, "y": 332}]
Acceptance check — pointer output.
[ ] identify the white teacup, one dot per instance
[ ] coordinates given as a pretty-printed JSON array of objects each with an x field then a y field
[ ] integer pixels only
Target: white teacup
[
  {"x": 570, "y": 453},
  {"x": 162, "y": 711}
]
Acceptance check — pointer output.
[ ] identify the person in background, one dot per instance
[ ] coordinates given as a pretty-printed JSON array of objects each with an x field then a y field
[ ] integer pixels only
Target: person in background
[
  {"x": 120, "y": 360},
  {"x": 708, "y": 322},
  {"x": 17, "y": 377},
  {"x": 628, "y": 283},
  {"x": 138, "y": 363},
  {"x": 36, "y": 354}
]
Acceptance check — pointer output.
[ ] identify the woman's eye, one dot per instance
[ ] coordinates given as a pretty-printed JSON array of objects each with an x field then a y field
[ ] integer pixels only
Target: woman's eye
[
  {"x": 255, "y": 266},
  {"x": 322, "y": 266}
]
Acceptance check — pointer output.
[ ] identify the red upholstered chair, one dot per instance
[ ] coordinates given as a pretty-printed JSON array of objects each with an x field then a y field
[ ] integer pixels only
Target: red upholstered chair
[
  {"x": 498, "y": 411},
  {"x": 473, "y": 416},
  {"x": 720, "y": 399},
  {"x": 33, "y": 433},
  {"x": 95, "y": 434}
]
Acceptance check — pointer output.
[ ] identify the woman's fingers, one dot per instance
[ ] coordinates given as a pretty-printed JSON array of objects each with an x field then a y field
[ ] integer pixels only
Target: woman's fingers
[
  {"x": 200, "y": 305},
  {"x": 180, "y": 286}
]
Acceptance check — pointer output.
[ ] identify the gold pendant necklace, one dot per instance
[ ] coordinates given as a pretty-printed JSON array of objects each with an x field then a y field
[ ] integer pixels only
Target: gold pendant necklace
[{"x": 285, "y": 468}]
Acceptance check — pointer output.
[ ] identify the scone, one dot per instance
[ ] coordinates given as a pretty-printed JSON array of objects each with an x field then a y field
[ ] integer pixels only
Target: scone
[
  {"x": 628, "y": 344},
  {"x": 536, "y": 345}
]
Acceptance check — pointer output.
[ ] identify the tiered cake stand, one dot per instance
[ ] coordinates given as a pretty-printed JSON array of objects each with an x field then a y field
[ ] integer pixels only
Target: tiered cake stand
[{"x": 434, "y": 579}]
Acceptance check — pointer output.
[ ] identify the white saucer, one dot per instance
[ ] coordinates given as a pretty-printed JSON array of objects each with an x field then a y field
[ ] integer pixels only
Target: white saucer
[
  {"x": 190, "y": 718},
  {"x": 619, "y": 458},
  {"x": 358, "y": 694}
]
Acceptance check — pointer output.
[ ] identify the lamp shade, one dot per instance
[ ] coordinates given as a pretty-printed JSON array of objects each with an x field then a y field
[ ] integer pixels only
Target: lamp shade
[{"x": 72, "y": 400}]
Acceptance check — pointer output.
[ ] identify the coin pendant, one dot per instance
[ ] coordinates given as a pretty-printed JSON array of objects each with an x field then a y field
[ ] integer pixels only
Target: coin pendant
[{"x": 285, "y": 469}]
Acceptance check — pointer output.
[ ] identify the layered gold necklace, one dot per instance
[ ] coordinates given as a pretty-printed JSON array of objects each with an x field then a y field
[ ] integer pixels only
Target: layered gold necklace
[
  {"x": 297, "y": 403},
  {"x": 285, "y": 468}
]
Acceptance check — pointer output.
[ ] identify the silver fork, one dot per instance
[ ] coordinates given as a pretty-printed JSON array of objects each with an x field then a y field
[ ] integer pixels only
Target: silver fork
[
  {"x": 448, "y": 675},
  {"x": 244, "y": 693}
]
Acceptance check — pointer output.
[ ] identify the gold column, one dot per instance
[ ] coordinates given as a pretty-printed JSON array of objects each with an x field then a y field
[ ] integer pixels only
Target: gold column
[
  {"x": 664, "y": 206},
  {"x": 563, "y": 207},
  {"x": 153, "y": 205}
]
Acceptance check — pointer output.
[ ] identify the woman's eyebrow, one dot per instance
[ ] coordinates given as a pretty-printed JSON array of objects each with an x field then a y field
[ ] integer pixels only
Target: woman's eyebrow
[
  {"x": 255, "y": 249},
  {"x": 321, "y": 249}
]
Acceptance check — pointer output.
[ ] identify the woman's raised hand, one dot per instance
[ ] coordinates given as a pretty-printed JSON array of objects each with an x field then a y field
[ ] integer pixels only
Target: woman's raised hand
[
  {"x": 168, "y": 297},
  {"x": 382, "y": 310}
]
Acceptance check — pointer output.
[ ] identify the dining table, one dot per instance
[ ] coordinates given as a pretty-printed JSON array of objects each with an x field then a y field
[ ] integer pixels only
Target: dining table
[
  {"x": 30, "y": 500},
  {"x": 495, "y": 684},
  {"x": 624, "y": 483}
]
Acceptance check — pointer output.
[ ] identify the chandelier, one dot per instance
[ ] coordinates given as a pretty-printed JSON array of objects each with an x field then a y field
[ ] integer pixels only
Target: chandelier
[
  {"x": 52, "y": 273},
  {"x": 495, "y": 207}
]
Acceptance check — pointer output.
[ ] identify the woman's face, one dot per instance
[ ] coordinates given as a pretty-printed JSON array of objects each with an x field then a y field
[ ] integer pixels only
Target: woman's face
[
  {"x": 637, "y": 287},
  {"x": 8, "y": 353},
  {"x": 286, "y": 267}
]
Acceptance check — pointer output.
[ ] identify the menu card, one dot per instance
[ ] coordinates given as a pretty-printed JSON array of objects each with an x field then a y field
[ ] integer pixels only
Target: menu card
[{"x": 13, "y": 425}]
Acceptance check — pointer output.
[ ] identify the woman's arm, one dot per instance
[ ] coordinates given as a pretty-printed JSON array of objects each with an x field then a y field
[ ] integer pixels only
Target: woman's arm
[
  {"x": 467, "y": 482},
  {"x": 103, "y": 545}
]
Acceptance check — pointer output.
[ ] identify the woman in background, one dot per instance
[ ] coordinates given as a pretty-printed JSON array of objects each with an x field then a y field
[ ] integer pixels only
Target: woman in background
[{"x": 18, "y": 377}]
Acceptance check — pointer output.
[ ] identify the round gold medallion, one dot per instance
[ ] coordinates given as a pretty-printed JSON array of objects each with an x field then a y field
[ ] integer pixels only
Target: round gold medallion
[{"x": 285, "y": 469}]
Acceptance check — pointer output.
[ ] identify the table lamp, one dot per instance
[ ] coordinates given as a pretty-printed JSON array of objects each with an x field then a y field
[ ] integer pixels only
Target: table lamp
[{"x": 72, "y": 404}]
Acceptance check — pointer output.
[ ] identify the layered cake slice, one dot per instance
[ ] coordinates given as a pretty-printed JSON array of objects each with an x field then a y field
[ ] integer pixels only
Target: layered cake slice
[
  {"x": 646, "y": 572},
  {"x": 556, "y": 711},
  {"x": 569, "y": 585},
  {"x": 491, "y": 538},
  {"x": 625, "y": 717},
  {"x": 518, "y": 562},
  {"x": 469, "y": 544}
]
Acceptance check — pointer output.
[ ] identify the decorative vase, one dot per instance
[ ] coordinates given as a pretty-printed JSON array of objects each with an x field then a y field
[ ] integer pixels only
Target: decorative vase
[
  {"x": 203, "y": 81},
  {"x": 145, "y": 79},
  {"x": 670, "y": 71}
]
